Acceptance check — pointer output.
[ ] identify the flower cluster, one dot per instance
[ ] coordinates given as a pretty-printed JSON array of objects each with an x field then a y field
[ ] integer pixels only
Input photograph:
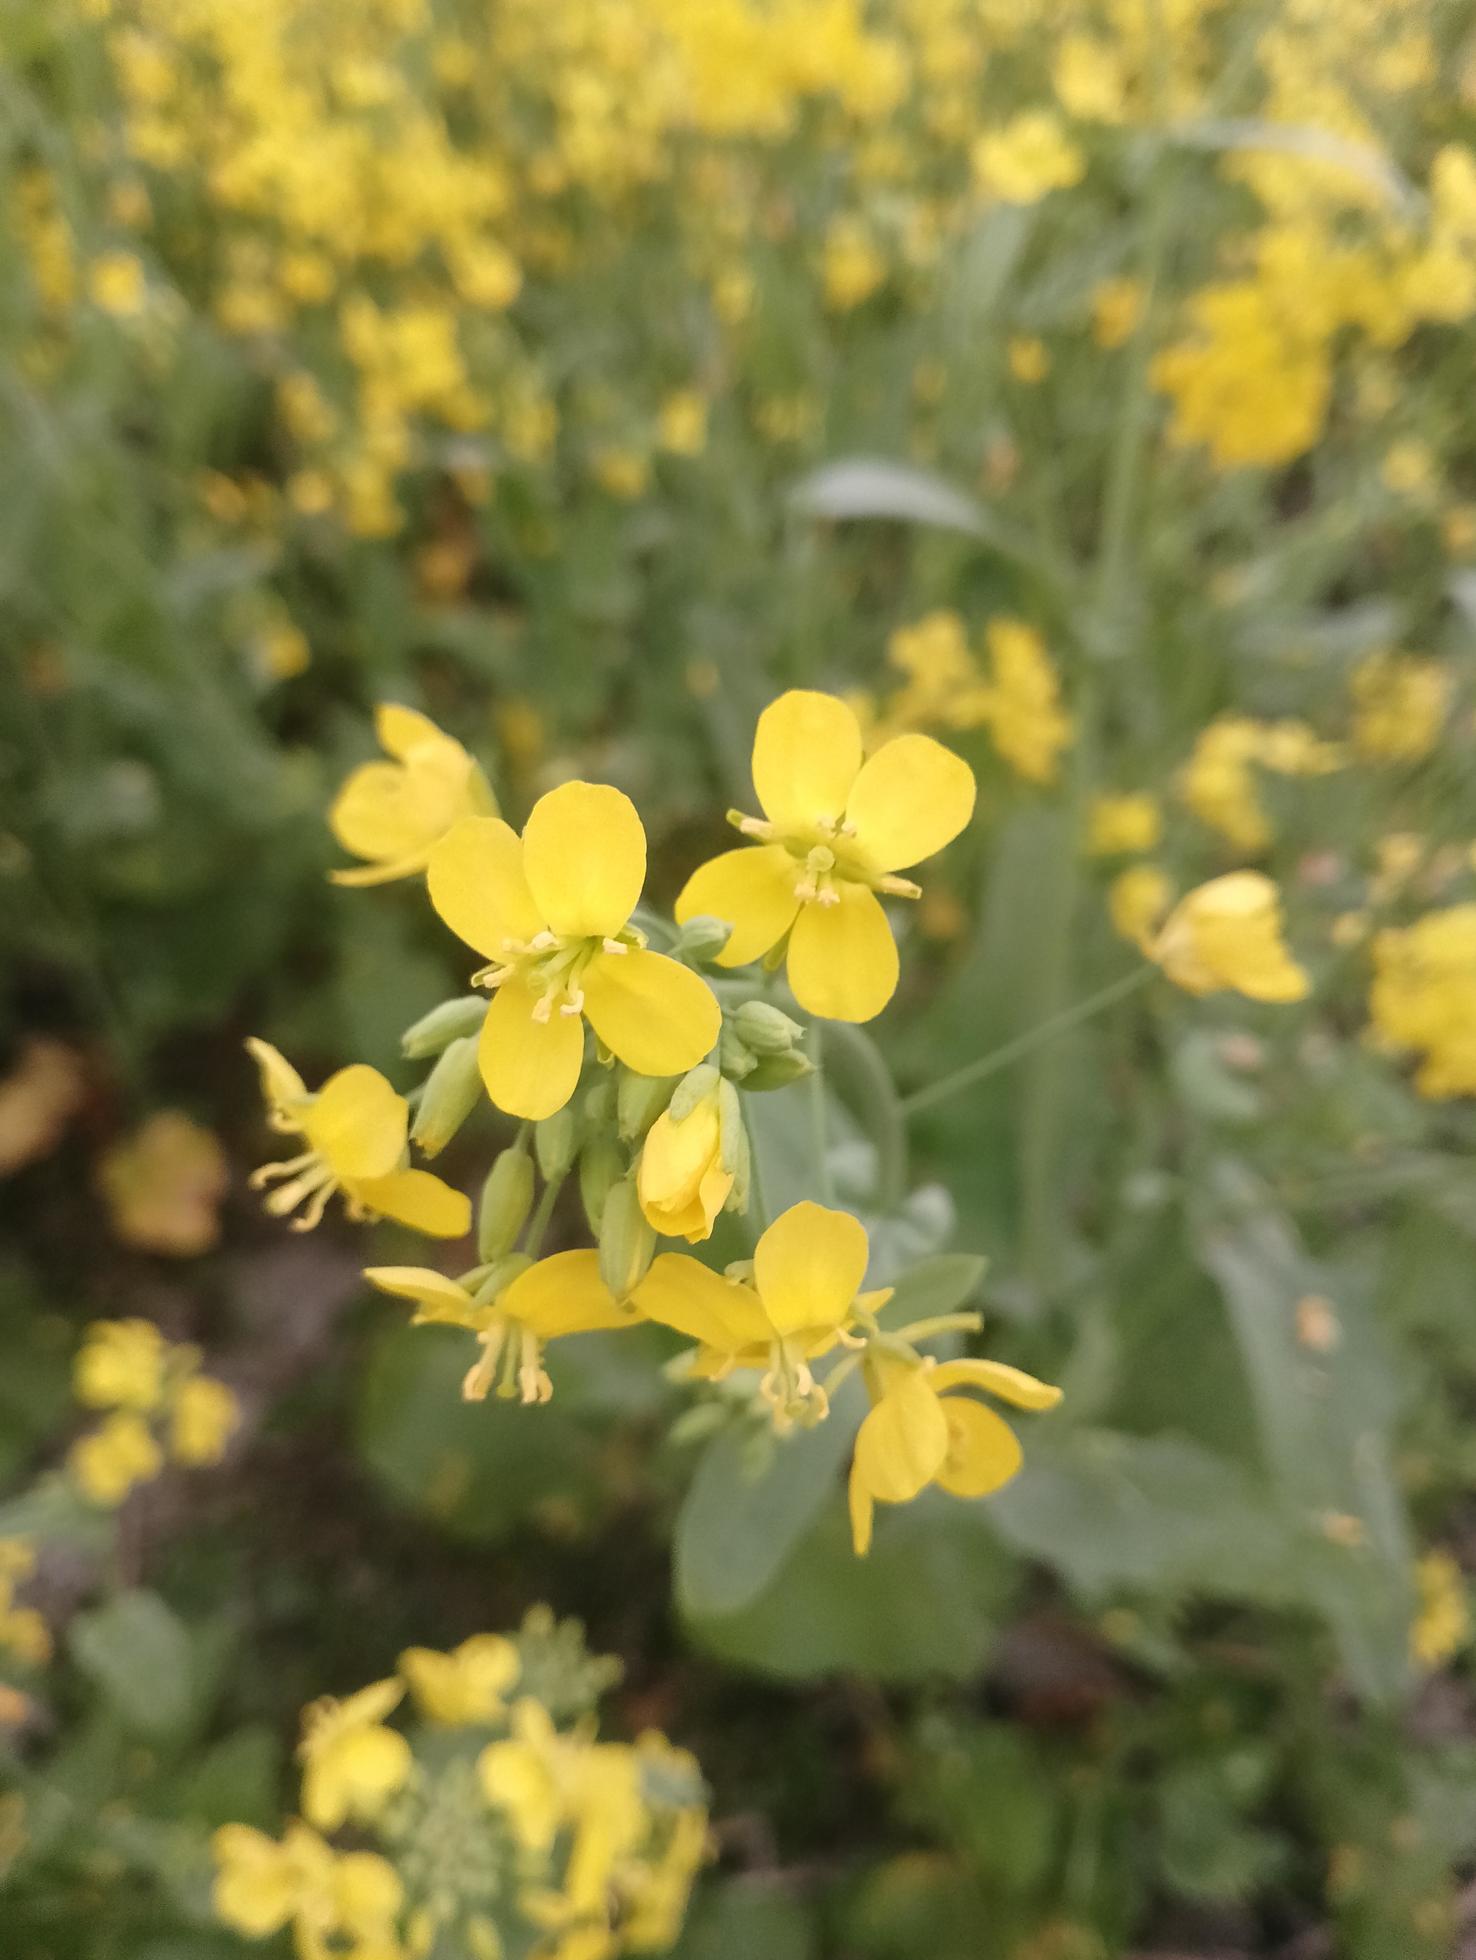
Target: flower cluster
[
  {"x": 628, "y": 1068},
  {"x": 158, "y": 1407},
  {"x": 1423, "y": 997},
  {"x": 24, "y": 1634},
  {"x": 502, "y": 1824}
]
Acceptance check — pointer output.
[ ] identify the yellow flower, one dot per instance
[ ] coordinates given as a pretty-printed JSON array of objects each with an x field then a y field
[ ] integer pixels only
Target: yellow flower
[
  {"x": 1424, "y": 997},
  {"x": 467, "y": 1685},
  {"x": 352, "y": 1763},
  {"x": 1227, "y": 934},
  {"x": 22, "y": 1629},
  {"x": 1117, "y": 307},
  {"x": 1117, "y": 825},
  {"x": 836, "y": 831},
  {"x": 116, "y": 282},
  {"x": 1022, "y": 701},
  {"x": 529, "y": 1776},
  {"x": 551, "y": 911},
  {"x": 1218, "y": 782},
  {"x": 916, "y": 1435},
  {"x": 1028, "y": 157},
  {"x": 1442, "y": 1625},
  {"x": 852, "y": 266},
  {"x": 804, "y": 1290},
  {"x": 356, "y": 1128},
  {"x": 680, "y": 1178},
  {"x": 262, "y": 1885},
  {"x": 1028, "y": 358},
  {"x": 121, "y": 1365},
  {"x": 682, "y": 424},
  {"x": 1399, "y": 706},
  {"x": 1137, "y": 900},
  {"x": 393, "y": 812},
  {"x": 204, "y": 1418},
  {"x": 532, "y": 1303},
  {"x": 115, "y": 1456},
  {"x": 164, "y": 1185}
]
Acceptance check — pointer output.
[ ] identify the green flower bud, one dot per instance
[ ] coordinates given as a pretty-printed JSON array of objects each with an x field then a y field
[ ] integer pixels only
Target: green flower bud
[
  {"x": 507, "y": 1198},
  {"x": 554, "y": 1141},
  {"x": 703, "y": 938},
  {"x": 640, "y": 1100},
  {"x": 443, "y": 1025},
  {"x": 627, "y": 1242},
  {"x": 736, "y": 1060},
  {"x": 450, "y": 1094},
  {"x": 600, "y": 1166},
  {"x": 765, "y": 1029},
  {"x": 693, "y": 1087},
  {"x": 599, "y": 1103},
  {"x": 778, "y": 1071}
]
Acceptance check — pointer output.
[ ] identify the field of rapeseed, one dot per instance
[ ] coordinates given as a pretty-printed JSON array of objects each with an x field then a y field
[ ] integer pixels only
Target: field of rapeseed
[{"x": 737, "y": 979}]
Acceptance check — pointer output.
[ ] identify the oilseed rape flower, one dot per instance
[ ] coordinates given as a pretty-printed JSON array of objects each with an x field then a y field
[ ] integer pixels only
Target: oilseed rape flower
[
  {"x": 352, "y": 1763},
  {"x": 835, "y": 832},
  {"x": 915, "y": 1434},
  {"x": 469, "y": 1685},
  {"x": 204, "y": 1417},
  {"x": 160, "y": 1402},
  {"x": 262, "y": 1886},
  {"x": 23, "y": 1632},
  {"x": 1423, "y": 997},
  {"x": 1400, "y": 703},
  {"x": 121, "y": 1365},
  {"x": 1022, "y": 701},
  {"x": 111, "y": 1459},
  {"x": 392, "y": 813},
  {"x": 687, "y": 1168},
  {"x": 1442, "y": 1624},
  {"x": 357, "y": 1131},
  {"x": 1118, "y": 826},
  {"x": 1026, "y": 159},
  {"x": 1227, "y": 935},
  {"x": 1219, "y": 783},
  {"x": 551, "y": 912},
  {"x": 1137, "y": 900}
]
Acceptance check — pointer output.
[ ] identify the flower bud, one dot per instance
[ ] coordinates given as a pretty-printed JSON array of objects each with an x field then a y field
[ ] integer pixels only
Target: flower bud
[
  {"x": 599, "y": 1103},
  {"x": 640, "y": 1100},
  {"x": 778, "y": 1071},
  {"x": 695, "y": 1086},
  {"x": 735, "y": 1058},
  {"x": 703, "y": 938},
  {"x": 765, "y": 1029},
  {"x": 507, "y": 1198},
  {"x": 553, "y": 1143},
  {"x": 443, "y": 1025},
  {"x": 627, "y": 1242},
  {"x": 600, "y": 1165},
  {"x": 688, "y": 1161},
  {"x": 452, "y": 1091}
]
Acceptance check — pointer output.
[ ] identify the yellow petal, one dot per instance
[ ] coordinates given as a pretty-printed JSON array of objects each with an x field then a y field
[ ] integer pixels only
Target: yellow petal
[
  {"x": 373, "y": 817},
  {"x": 997, "y": 1378},
  {"x": 369, "y": 1894},
  {"x": 584, "y": 852},
  {"x": 281, "y": 1085},
  {"x": 402, "y": 729},
  {"x": 903, "y": 1442},
  {"x": 418, "y": 1199},
  {"x": 438, "y": 1298},
  {"x": 358, "y": 1122},
  {"x": 354, "y": 875},
  {"x": 659, "y": 1017},
  {"x": 808, "y": 1267},
  {"x": 806, "y": 755},
  {"x": 913, "y": 797},
  {"x": 476, "y": 883},
  {"x": 681, "y": 1292},
  {"x": 842, "y": 958},
  {"x": 752, "y": 888},
  {"x": 531, "y": 1068},
  {"x": 983, "y": 1451},
  {"x": 563, "y": 1294}
]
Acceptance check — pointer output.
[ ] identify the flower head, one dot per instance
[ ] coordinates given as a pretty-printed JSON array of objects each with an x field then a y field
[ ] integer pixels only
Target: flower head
[
  {"x": 111, "y": 1459},
  {"x": 551, "y": 911},
  {"x": 393, "y": 812},
  {"x": 682, "y": 1178},
  {"x": 835, "y": 832},
  {"x": 467, "y": 1685},
  {"x": 121, "y": 1364},
  {"x": 1424, "y": 997},
  {"x": 356, "y": 1128},
  {"x": 916, "y": 1435},
  {"x": 1227, "y": 935},
  {"x": 262, "y": 1885},
  {"x": 204, "y": 1417},
  {"x": 352, "y": 1763}
]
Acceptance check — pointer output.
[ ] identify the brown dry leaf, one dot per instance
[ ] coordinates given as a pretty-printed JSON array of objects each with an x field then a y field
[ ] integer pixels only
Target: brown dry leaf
[
  {"x": 164, "y": 1184},
  {"x": 38, "y": 1099}
]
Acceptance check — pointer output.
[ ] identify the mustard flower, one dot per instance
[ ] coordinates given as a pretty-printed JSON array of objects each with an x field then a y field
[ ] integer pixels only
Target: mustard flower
[
  {"x": 357, "y": 1130},
  {"x": 915, "y": 1434},
  {"x": 835, "y": 832},
  {"x": 392, "y": 813},
  {"x": 1423, "y": 997},
  {"x": 1119, "y": 825},
  {"x": 1442, "y": 1624},
  {"x": 1227, "y": 935},
  {"x": 1399, "y": 706},
  {"x": 352, "y": 1763},
  {"x": 203, "y": 1419},
  {"x": 1137, "y": 900},
  {"x": 466, "y": 1686},
  {"x": 551, "y": 911},
  {"x": 680, "y": 1178},
  {"x": 110, "y": 1460},
  {"x": 262, "y": 1886},
  {"x": 122, "y": 1364}
]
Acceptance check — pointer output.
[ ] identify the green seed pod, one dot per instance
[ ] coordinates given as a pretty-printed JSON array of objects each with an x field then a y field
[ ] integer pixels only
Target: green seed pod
[
  {"x": 601, "y": 1165},
  {"x": 703, "y": 938},
  {"x": 507, "y": 1198},
  {"x": 554, "y": 1141},
  {"x": 451, "y": 1092},
  {"x": 627, "y": 1242},
  {"x": 443, "y": 1025},
  {"x": 778, "y": 1071},
  {"x": 765, "y": 1029},
  {"x": 639, "y": 1100},
  {"x": 694, "y": 1085}
]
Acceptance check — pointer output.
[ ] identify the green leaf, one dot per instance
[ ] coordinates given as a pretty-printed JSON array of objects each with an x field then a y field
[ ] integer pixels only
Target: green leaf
[
  {"x": 745, "y": 1917},
  {"x": 735, "y": 1530},
  {"x": 947, "y": 1281},
  {"x": 138, "y": 1652}
]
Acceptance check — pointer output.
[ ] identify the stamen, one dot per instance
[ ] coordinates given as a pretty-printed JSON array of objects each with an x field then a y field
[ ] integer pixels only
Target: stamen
[
  {"x": 805, "y": 891},
  {"x": 895, "y": 887},
  {"x": 533, "y": 1378},
  {"x": 829, "y": 896},
  {"x": 543, "y": 1008},
  {"x": 615, "y": 946},
  {"x": 542, "y": 942},
  {"x": 269, "y": 1173},
  {"x": 478, "y": 1382},
  {"x": 287, "y": 1197},
  {"x": 574, "y": 1005},
  {"x": 752, "y": 826},
  {"x": 316, "y": 1207}
]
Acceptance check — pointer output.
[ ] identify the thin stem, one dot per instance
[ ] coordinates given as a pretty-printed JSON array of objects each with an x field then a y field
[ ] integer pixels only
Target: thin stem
[
  {"x": 542, "y": 1212},
  {"x": 819, "y": 1122},
  {"x": 872, "y": 1095},
  {"x": 1025, "y": 1044},
  {"x": 758, "y": 1210}
]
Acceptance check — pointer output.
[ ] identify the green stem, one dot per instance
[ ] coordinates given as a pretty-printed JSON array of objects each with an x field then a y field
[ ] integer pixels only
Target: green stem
[
  {"x": 872, "y": 1095},
  {"x": 758, "y": 1210},
  {"x": 1024, "y": 1044},
  {"x": 819, "y": 1129},
  {"x": 542, "y": 1212}
]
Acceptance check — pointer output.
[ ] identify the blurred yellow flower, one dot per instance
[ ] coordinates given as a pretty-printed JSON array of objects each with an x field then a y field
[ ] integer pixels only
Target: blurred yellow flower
[
  {"x": 1022, "y": 703},
  {"x": 112, "y": 1458},
  {"x": 551, "y": 912},
  {"x": 835, "y": 833},
  {"x": 352, "y": 1763},
  {"x": 466, "y": 1686},
  {"x": 1423, "y": 997},
  {"x": 164, "y": 1185},
  {"x": 1119, "y": 825},
  {"x": 1227, "y": 935},
  {"x": 394, "y": 812},
  {"x": 1028, "y": 358},
  {"x": 121, "y": 1365},
  {"x": 1400, "y": 702},
  {"x": 204, "y": 1417},
  {"x": 1025, "y": 159},
  {"x": 1442, "y": 1624},
  {"x": 852, "y": 266},
  {"x": 1137, "y": 900},
  {"x": 682, "y": 423},
  {"x": 116, "y": 283},
  {"x": 1117, "y": 307}
]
